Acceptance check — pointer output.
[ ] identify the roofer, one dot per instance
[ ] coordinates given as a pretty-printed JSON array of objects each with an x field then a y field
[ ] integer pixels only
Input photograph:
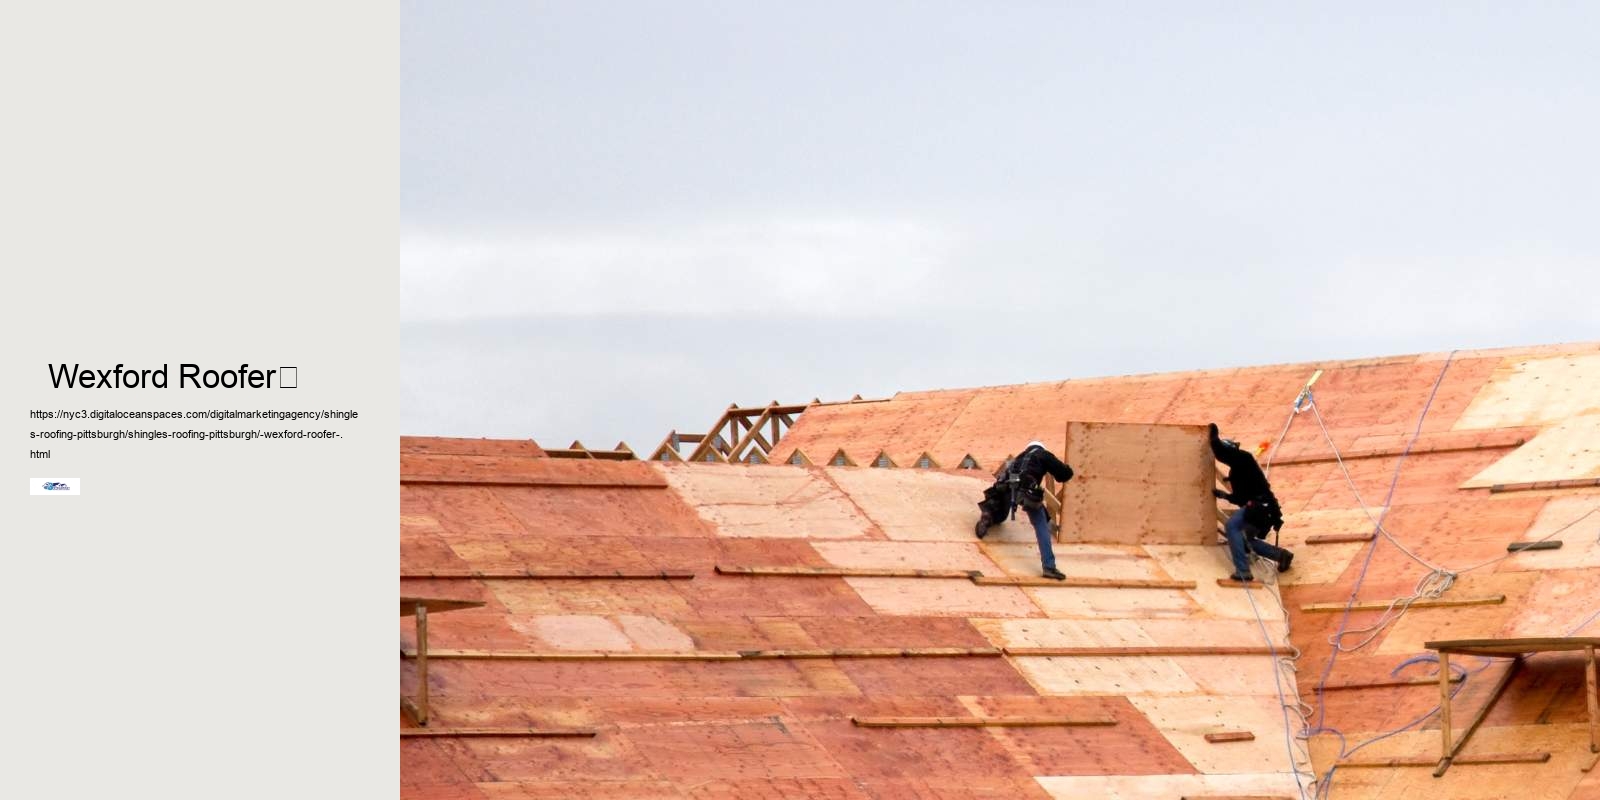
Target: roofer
[
  {"x": 1258, "y": 508},
  {"x": 1018, "y": 484}
]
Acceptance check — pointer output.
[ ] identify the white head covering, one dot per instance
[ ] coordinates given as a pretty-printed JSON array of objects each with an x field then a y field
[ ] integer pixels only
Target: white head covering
[{"x": 1034, "y": 443}]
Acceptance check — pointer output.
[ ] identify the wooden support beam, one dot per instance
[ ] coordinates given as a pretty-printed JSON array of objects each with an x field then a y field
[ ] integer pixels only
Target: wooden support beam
[
  {"x": 1338, "y": 538},
  {"x": 877, "y": 652},
  {"x": 1452, "y": 753},
  {"x": 1538, "y": 757},
  {"x": 577, "y": 655},
  {"x": 1138, "y": 650},
  {"x": 1083, "y": 583},
  {"x": 709, "y": 655},
  {"x": 1230, "y": 736},
  {"x": 1548, "y": 544},
  {"x": 530, "y": 574},
  {"x": 1426, "y": 602},
  {"x": 1593, "y": 687},
  {"x": 1423, "y": 681},
  {"x": 543, "y": 733},
  {"x": 1570, "y": 483},
  {"x": 843, "y": 572},
  {"x": 1236, "y": 797},
  {"x": 982, "y": 722},
  {"x": 421, "y": 612},
  {"x": 1229, "y": 582}
]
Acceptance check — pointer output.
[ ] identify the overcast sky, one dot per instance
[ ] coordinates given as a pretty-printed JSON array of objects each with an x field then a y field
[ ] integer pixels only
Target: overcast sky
[{"x": 617, "y": 218}]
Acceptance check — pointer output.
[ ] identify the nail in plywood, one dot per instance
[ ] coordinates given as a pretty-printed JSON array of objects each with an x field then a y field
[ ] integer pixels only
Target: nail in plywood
[
  {"x": 1138, "y": 484},
  {"x": 982, "y": 722}
]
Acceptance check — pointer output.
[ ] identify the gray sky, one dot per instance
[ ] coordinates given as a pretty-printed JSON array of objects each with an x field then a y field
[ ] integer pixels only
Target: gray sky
[{"x": 617, "y": 218}]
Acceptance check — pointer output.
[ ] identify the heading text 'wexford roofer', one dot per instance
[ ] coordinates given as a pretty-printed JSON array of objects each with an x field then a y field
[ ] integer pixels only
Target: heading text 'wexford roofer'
[{"x": 190, "y": 376}]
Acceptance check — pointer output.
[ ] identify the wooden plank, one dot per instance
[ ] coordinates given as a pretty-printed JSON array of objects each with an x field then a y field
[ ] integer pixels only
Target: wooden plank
[
  {"x": 530, "y": 574},
  {"x": 1240, "y": 584},
  {"x": 409, "y": 605},
  {"x": 1548, "y": 544},
  {"x": 577, "y": 655},
  {"x": 1230, "y": 736},
  {"x": 1539, "y": 757},
  {"x": 1477, "y": 719},
  {"x": 843, "y": 572},
  {"x": 1444, "y": 712},
  {"x": 1588, "y": 766},
  {"x": 1514, "y": 647},
  {"x": 1426, "y": 602},
  {"x": 543, "y": 733},
  {"x": 1236, "y": 797},
  {"x": 1152, "y": 650},
  {"x": 1424, "y": 681},
  {"x": 982, "y": 722},
  {"x": 421, "y": 612},
  {"x": 1526, "y": 486},
  {"x": 1594, "y": 698},
  {"x": 1338, "y": 538},
  {"x": 877, "y": 652},
  {"x": 1083, "y": 583}
]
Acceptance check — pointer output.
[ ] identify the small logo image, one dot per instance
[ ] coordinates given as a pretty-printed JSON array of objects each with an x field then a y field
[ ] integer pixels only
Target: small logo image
[{"x": 55, "y": 487}]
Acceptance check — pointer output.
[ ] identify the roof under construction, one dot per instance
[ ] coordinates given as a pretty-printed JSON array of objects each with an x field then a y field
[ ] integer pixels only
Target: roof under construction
[{"x": 773, "y": 625}]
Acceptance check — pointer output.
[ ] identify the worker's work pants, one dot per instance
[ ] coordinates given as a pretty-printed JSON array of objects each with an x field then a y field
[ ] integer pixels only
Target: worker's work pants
[
  {"x": 1239, "y": 541},
  {"x": 1041, "y": 530}
]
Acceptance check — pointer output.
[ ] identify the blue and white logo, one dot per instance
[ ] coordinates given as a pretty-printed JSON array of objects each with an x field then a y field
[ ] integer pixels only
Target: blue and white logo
[{"x": 57, "y": 487}]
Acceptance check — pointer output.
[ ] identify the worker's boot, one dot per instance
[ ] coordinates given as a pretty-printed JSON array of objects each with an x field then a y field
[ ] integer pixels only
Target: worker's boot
[
  {"x": 982, "y": 528},
  {"x": 1284, "y": 559},
  {"x": 1055, "y": 574}
]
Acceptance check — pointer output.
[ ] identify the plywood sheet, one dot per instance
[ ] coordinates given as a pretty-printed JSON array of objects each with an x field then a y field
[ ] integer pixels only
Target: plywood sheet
[
  {"x": 1558, "y": 602},
  {"x": 1423, "y": 625},
  {"x": 1555, "y": 779},
  {"x": 907, "y": 555},
  {"x": 1568, "y": 450},
  {"x": 914, "y": 505},
  {"x": 1186, "y": 720},
  {"x": 942, "y": 597},
  {"x": 499, "y": 469},
  {"x": 1122, "y": 632},
  {"x": 1148, "y": 787},
  {"x": 1536, "y": 391},
  {"x": 766, "y": 501},
  {"x": 1204, "y": 565},
  {"x": 1138, "y": 484},
  {"x": 1574, "y": 520},
  {"x": 1105, "y": 676},
  {"x": 1020, "y": 557}
]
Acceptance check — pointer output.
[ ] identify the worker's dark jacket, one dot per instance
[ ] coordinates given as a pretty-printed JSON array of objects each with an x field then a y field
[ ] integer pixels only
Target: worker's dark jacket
[
  {"x": 1250, "y": 489},
  {"x": 1032, "y": 464}
]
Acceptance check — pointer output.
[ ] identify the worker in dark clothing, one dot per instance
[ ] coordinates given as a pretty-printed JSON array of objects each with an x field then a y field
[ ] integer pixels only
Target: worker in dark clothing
[
  {"x": 1258, "y": 508},
  {"x": 1019, "y": 485}
]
